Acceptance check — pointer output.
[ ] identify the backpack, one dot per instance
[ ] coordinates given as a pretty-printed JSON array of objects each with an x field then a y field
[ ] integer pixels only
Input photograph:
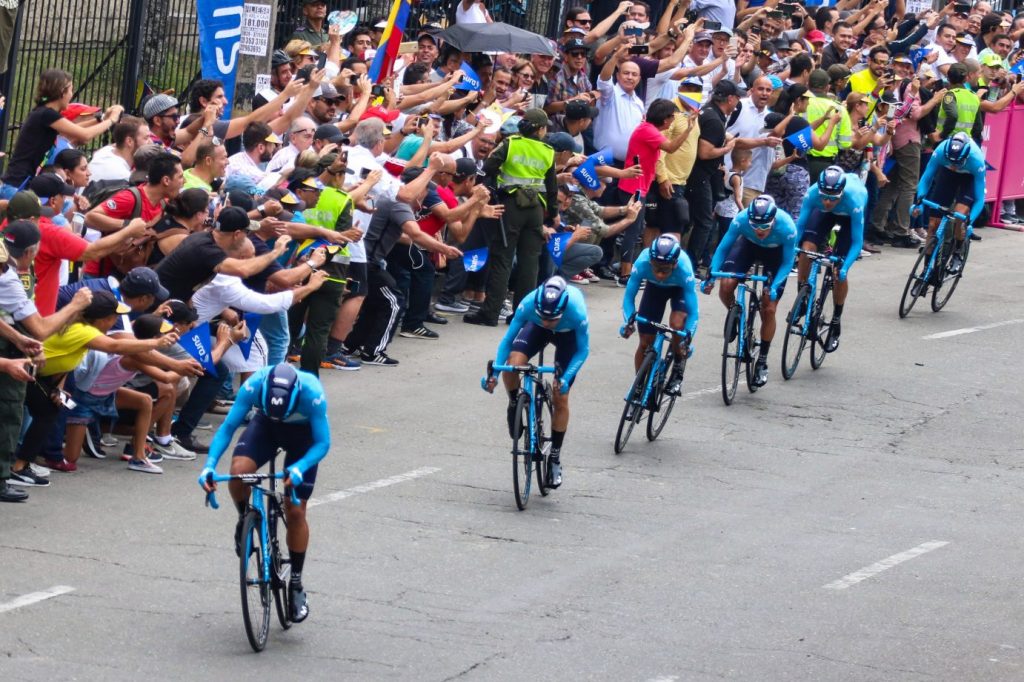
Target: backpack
[
  {"x": 133, "y": 255},
  {"x": 99, "y": 191}
]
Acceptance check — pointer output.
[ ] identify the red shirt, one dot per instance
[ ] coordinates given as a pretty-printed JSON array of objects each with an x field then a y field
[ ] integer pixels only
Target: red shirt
[
  {"x": 122, "y": 205},
  {"x": 432, "y": 224},
  {"x": 56, "y": 244},
  {"x": 645, "y": 142}
]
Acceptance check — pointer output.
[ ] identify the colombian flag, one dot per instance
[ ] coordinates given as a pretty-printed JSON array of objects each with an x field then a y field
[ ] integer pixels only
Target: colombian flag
[{"x": 390, "y": 40}]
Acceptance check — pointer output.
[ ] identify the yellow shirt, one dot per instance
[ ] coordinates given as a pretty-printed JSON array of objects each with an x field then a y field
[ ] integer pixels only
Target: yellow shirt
[
  {"x": 863, "y": 82},
  {"x": 66, "y": 350},
  {"x": 676, "y": 167}
]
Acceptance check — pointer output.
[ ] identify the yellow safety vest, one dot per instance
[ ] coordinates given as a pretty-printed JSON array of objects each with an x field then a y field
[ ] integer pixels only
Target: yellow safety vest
[
  {"x": 967, "y": 106},
  {"x": 526, "y": 164}
]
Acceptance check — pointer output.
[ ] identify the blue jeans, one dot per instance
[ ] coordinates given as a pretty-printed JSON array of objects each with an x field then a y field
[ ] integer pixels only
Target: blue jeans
[
  {"x": 275, "y": 330},
  {"x": 202, "y": 396}
]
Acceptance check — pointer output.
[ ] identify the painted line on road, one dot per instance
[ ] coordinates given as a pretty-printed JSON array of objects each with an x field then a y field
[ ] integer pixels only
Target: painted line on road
[
  {"x": 35, "y": 597},
  {"x": 372, "y": 485},
  {"x": 696, "y": 394},
  {"x": 970, "y": 330},
  {"x": 884, "y": 565}
]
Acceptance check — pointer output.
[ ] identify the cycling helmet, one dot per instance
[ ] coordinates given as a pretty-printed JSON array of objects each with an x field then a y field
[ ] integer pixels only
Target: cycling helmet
[
  {"x": 664, "y": 249},
  {"x": 552, "y": 298},
  {"x": 832, "y": 182},
  {"x": 280, "y": 392},
  {"x": 762, "y": 212},
  {"x": 279, "y": 58},
  {"x": 958, "y": 148}
]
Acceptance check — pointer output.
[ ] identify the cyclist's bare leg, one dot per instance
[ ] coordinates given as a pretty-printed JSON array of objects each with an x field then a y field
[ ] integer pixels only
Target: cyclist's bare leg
[
  {"x": 842, "y": 288},
  {"x": 727, "y": 292},
  {"x": 933, "y": 225},
  {"x": 960, "y": 227},
  {"x": 511, "y": 379},
  {"x": 560, "y": 414},
  {"x": 768, "y": 307},
  {"x": 298, "y": 530},
  {"x": 240, "y": 491},
  {"x": 645, "y": 342},
  {"x": 676, "y": 320},
  {"x": 803, "y": 263}
]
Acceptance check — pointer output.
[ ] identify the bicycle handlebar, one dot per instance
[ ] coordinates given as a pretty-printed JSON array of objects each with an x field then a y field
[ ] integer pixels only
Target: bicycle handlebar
[
  {"x": 820, "y": 256},
  {"x": 739, "y": 276},
  {"x": 945, "y": 209},
  {"x": 663, "y": 327},
  {"x": 250, "y": 479},
  {"x": 526, "y": 369}
]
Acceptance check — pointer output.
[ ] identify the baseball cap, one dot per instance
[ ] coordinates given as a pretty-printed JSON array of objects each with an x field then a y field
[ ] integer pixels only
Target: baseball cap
[
  {"x": 958, "y": 69},
  {"x": 797, "y": 90},
  {"x": 991, "y": 59},
  {"x": 577, "y": 110},
  {"x": 775, "y": 81},
  {"x": 692, "y": 81},
  {"x": 141, "y": 281},
  {"x": 49, "y": 185},
  {"x": 383, "y": 23},
  {"x": 819, "y": 79},
  {"x": 386, "y": 115},
  {"x": 327, "y": 91},
  {"x": 104, "y": 304},
  {"x": 181, "y": 313},
  {"x": 150, "y": 326},
  {"x": 563, "y": 142},
  {"x": 24, "y": 204},
  {"x": 311, "y": 182},
  {"x": 532, "y": 120},
  {"x": 233, "y": 219},
  {"x": 702, "y": 37},
  {"x": 889, "y": 97},
  {"x": 726, "y": 88},
  {"x": 242, "y": 199},
  {"x": 20, "y": 236},
  {"x": 74, "y": 110},
  {"x": 426, "y": 34},
  {"x": 722, "y": 29},
  {"x": 815, "y": 36},
  {"x": 464, "y": 168},
  {"x": 510, "y": 126},
  {"x": 157, "y": 104},
  {"x": 838, "y": 72},
  {"x": 329, "y": 132},
  {"x": 902, "y": 59},
  {"x": 965, "y": 40},
  {"x": 575, "y": 45}
]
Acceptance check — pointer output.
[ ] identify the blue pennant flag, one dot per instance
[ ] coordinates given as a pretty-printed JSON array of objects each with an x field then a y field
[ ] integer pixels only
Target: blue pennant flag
[
  {"x": 917, "y": 55},
  {"x": 603, "y": 157},
  {"x": 470, "y": 80},
  {"x": 252, "y": 322},
  {"x": 220, "y": 36},
  {"x": 989, "y": 167},
  {"x": 557, "y": 245},
  {"x": 801, "y": 140},
  {"x": 197, "y": 344},
  {"x": 586, "y": 173},
  {"x": 1018, "y": 67},
  {"x": 817, "y": 3},
  {"x": 475, "y": 260}
]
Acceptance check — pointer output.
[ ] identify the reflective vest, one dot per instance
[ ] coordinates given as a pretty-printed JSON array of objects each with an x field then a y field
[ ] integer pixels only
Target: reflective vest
[
  {"x": 816, "y": 108},
  {"x": 526, "y": 164},
  {"x": 329, "y": 207},
  {"x": 967, "y": 105}
]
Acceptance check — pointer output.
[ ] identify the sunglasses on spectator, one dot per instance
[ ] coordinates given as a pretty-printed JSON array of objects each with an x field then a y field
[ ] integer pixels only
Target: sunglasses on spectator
[
  {"x": 305, "y": 132},
  {"x": 174, "y": 117},
  {"x": 586, "y": 21}
]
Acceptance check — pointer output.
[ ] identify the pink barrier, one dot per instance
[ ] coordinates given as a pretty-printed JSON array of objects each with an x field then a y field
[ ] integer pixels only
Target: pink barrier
[{"x": 1007, "y": 180}]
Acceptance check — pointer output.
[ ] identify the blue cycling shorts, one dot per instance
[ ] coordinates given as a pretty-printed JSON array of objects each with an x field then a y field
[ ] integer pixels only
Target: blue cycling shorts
[
  {"x": 652, "y": 304},
  {"x": 532, "y": 339},
  {"x": 262, "y": 438}
]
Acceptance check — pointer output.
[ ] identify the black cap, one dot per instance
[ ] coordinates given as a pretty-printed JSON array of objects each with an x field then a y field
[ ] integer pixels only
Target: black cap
[
  {"x": 241, "y": 199},
  {"x": 232, "y": 219},
  {"x": 19, "y": 236},
  {"x": 577, "y": 110},
  {"x": 181, "y": 313},
  {"x": 141, "y": 281},
  {"x": 104, "y": 304},
  {"x": 150, "y": 326},
  {"x": 464, "y": 168},
  {"x": 50, "y": 185},
  {"x": 726, "y": 88},
  {"x": 575, "y": 45},
  {"x": 329, "y": 132},
  {"x": 411, "y": 173}
]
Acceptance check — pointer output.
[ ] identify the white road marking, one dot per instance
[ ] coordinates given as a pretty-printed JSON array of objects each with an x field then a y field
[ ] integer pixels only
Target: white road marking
[
  {"x": 970, "y": 330},
  {"x": 372, "y": 485},
  {"x": 34, "y": 597},
  {"x": 696, "y": 394},
  {"x": 884, "y": 565}
]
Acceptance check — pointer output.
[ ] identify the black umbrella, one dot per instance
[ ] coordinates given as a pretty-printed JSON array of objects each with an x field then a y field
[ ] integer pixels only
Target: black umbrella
[{"x": 496, "y": 37}]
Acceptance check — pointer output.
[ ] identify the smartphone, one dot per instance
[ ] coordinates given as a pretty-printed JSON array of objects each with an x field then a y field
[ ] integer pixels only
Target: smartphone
[
  {"x": 636, "y": 196},
  {"x": 633, "y": 32},
  {"x": 422, "y": 121},
  {"x": 377, "y": 91},
  {"x": 365, "y": 173},
  {"x": 639, "y": 49},
  {"x": 712, "y": 26},
  {"x": 31, "y": 369},
  {"x": 756, "y": 30},
  {"x": 353, "y": 79},
  {"x": 787, "y": 10},
  {"x": 691, "y": 16},
  {"x": 65, "y": 399},
  {"x": 776, "y": 14},
  {"x": 861, "y": 123},
  {"x": 961, "y": 7},
  {"x": 636, "y": 159},
  {"x": 304, "y": 73},
  {"x": 321, "y": 61},
  {"x": 734, "y": 43}
]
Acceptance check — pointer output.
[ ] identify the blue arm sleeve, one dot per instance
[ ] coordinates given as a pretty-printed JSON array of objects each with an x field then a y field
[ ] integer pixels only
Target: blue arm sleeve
[
  {"x": 856, "y": 240},
  {"x": 244, "y": 401},
  {"x": 629, "y": 298},
  {"x": 692, "y": 314},
  {"x": 505, "y": 347},
  {"x": 582, "y": 351},
  {"x": 724, "y": 247},
  {"x": 788, "y": 256},
  {"x": 321, "y": 436},
  {"x": 806, "y": 208}
]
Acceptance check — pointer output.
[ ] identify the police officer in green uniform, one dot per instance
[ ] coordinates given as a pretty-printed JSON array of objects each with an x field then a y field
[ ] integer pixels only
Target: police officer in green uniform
[
  {"x": 959, "y": 109},
  {"x": 522, "y": 169},
  {"x": 313, "y": 28},
  {"x": 819, "y": 115}
]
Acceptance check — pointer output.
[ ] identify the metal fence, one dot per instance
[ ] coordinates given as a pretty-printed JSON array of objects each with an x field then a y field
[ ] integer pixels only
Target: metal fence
[{"x": 112, "y": 49}]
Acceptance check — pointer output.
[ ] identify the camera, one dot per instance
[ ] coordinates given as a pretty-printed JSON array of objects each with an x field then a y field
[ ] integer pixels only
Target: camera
[
  {"x": 377, "y": 91},
  {"x": 639, "y": 49},
  {"x": 712, "y": 26}
]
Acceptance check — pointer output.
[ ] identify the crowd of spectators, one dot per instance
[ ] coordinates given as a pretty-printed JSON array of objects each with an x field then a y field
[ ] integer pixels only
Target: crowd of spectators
[{"x": 338, "y": 213}]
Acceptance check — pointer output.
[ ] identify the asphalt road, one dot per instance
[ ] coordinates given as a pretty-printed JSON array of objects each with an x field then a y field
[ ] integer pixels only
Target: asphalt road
[{"x": 860, "y": 522}]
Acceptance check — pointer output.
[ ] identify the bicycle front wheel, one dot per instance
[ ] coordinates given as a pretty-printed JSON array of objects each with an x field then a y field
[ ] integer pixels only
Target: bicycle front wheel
[
  {"x": 821, "y": 323},
  {"x": 945, "y": 286},
  {"x": 281, "y": 570},
  {"x": 633, "y": 410},
  {"x": 753, "y": 340},
  {"x": 731, "y": 355},
  {"x": 522, "y": 456},
  {"x": 793, "y": 344},
  {"x": 255, "y": 586},
  {"x": 915, "y": 286},
  {"x": 545, "y": 415},
  {"x": 662, "y": 402}
]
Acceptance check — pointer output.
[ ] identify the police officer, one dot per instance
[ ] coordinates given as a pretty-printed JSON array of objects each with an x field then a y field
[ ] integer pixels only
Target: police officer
[
  {"x": 820, "y": 110},
  {"x": 522, "y": 168},
  {"x": 959, "y": 109}
]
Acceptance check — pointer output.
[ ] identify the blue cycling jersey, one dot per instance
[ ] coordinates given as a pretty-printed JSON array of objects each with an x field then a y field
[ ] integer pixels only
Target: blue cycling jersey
[
  {"x": 973, "y": 165},
  {"x": 573, "y": 320},
  {"x": 783, "y": 236},
  {"x": 682, "y": 276},
  {"x": 852, "y": 204},
  {"x": 310, "y": 408}
]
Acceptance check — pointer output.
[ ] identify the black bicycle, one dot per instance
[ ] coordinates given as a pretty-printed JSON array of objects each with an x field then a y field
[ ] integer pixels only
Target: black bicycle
[
  {"x": 934, "y": 267},
  {"x": 810, "y": 319},
  {"x": 264, "y": 570},
  {"x": 741, "y": 336}
]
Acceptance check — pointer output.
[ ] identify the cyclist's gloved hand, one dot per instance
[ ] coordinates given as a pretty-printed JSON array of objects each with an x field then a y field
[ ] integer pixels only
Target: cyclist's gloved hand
[
  {"x": 207, "y": 471},
  {"x": 707, "y": 285},
  {"x": 915, "y": 210},
  {"x": 295, "y": 476},
  {"x": 842, "y": 273},
  {"x": 774, "y": 294},
  {"x": 564, "y": 384},
  {"x": 626, "y": 330}
]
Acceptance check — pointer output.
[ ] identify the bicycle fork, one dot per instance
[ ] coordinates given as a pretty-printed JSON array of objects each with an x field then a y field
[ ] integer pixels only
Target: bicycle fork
[{"x": 261, "y": 508}]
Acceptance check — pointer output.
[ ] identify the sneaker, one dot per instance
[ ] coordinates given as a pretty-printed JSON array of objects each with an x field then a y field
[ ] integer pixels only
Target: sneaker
[
  {"x": 26, "y": 479},
  {"x": 864, "y": 253},
  {"x": 9, "y": 493},
  {"x": 294, "y": 358},
  {"x": 108, "y": 441},
  {"x": 300, "y": 606},
  {"x": 173, "y": 450},
  {"x": 589, "y": 274},
  {"x": 906, "y": 242},
  {"x": 675, "y": 381},
  {"x": 420, "y": 332},
  {"x": 921, "y": 233},
  {"x": 454, "y": 308},
  {"x": 128, "y": 454},
  {"x": 621, "y": 280},
  {"x": 506, "y": 311},
  {"x": 477, "y": 318},
  {"x": 975, "y": 237},
  {"x": 190, "y": 443},
  {"x": 761, "y": 371},
  {"x": 340, "y": 361},
  {"x": 40, "y": 471},
  {"x": 205, "y": 426},
  {"x": 871, "y": 248},
  {"x": 579, "y": 279},
  {"x": 435, "y": 319},
  {"x": 220, "y": 407},
  {"x": 554, "y": 473},
  {"x": 956, "y": 263},
  {"x": 93, "y": 449},
  {"x": 915, "y": 237},
  {"x": 145, "y": 466},
  {"x": 832, "y": 342},
  {"x": 510, "y": 414},
  {"x": 604, "y": 272},
  {"x": 380, "y": 360},
  {"x": 472, "y": 305},
  {"x": 62, "y": 465}
]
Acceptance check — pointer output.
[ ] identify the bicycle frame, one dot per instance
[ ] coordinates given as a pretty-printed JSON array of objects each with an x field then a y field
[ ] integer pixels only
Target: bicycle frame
[
  {"x": 530, "y": 380},
  {"x": 940, "y": 232},
  {"x": 664, "y": 332},
  {"x": 818, "y": 260},
  {"x": 741, "y": 297}
]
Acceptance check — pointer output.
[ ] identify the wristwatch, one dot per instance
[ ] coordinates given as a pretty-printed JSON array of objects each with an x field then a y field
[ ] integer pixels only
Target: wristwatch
[{"x": 204, "y": 132}]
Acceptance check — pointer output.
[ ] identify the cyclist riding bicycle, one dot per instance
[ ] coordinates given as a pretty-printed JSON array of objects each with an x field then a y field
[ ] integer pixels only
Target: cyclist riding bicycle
[
  {"x": 291, "y": 414},
  {"x": 956, "y": 171},
  {"x": 669, "y": 274},
  {"x": 838, "y": 198},
  {"x": 760, "y": 233},
  {"x": 553, "y": 313}
]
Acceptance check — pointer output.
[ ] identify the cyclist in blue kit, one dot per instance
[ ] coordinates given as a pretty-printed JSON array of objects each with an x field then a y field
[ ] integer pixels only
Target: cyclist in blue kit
[
  {"x": 553, "y": 313},
  {"x": 291, "y": 414},
  {"x": 670, "y": 279}
]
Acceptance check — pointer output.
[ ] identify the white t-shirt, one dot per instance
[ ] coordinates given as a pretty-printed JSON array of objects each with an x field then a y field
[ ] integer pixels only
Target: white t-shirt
[
  {"x": 107, "y": 165},
  {"x": 474, "y": 15},
  {"x": 750, "y": 123},
  {"x": 388, "y": 186}
]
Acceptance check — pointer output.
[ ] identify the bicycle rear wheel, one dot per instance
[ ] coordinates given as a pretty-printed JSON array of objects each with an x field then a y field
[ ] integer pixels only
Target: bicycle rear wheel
[
  {"x": 633, "y": 410},
  {"x": 255, "y": 589},
  {"x": 945, "y": 287},
  {"x": 281, "y": 573},
  {"x": 731, "y": 355},
  {"x": 663, "y": 402},
  {"x": 822, "y": 321},
  {"x": 916, "y": 277},
  {"x": 753, "y": 339},
  {"x": 545, "y": 415},
  {"x": 522, "y": 457},
  {"x": 793, "y": 344}
]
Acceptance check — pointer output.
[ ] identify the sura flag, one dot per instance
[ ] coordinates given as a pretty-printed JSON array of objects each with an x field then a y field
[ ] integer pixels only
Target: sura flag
[
  {"x": 586, "y": 173},
  {"x": 475, "y": 260},
  {"x": 801, "y": 140},
  {"x": 603, "y": 157},
  {"x": 252, "y": 323},
  {"x": 220, "y": 35},
  {"x": 197, "y": 344},
  {"x": 917, "y": 55},
  {"x": 470, "y": 80},
  {"x": 1018, "y": 67},
  {"x": 557, "y": 245}
]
